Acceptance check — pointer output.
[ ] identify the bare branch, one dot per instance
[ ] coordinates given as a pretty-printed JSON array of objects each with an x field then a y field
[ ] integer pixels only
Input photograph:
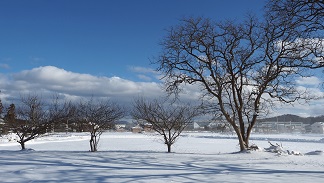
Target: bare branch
[
  {"x": 97, "y": 117},
  {"x": 167, "y": 119}
]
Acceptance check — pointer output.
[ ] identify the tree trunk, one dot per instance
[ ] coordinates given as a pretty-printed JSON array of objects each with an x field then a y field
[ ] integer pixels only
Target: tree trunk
[
  {"x": 169, "y": 147},
  {"x": 246, "y": 142},
  {"x": 241, "y": 139},
  {"x": 93, "y": 146},
  {"x": 242, "y": 143},
  {"x": 248, "y": 134},
  {"x": 22, "y": 144},
  {"x": 249, "y": 130}
]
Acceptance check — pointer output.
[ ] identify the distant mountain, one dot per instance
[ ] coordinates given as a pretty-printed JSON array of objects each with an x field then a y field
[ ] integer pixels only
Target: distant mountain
[{"x": 294, "y": 118}]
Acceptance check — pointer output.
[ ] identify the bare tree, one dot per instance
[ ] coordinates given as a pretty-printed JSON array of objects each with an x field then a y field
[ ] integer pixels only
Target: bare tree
[
  {"x": 60, "y": 111},
  {"x": 240, "y": 67},
  {"x": 99, "y": 117},
  {"x": 32, "y": 118},
  {"x": 168, "y": 120}
]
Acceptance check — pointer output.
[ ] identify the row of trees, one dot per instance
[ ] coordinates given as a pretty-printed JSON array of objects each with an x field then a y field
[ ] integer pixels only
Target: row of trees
[{"x": 32, "y": 118}]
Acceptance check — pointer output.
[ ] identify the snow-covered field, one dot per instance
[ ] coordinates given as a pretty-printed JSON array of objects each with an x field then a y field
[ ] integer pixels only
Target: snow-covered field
[{"x": 128, "y": 157}]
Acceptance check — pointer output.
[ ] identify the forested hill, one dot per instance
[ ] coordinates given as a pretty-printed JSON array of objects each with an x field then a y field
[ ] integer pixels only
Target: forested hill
[{"x": 294, "y": 118}]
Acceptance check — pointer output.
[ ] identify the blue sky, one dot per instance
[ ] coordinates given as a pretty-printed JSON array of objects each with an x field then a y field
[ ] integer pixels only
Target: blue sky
[
  {"x": 101, "y": 48},
  {"x": 103, "y": 38}
]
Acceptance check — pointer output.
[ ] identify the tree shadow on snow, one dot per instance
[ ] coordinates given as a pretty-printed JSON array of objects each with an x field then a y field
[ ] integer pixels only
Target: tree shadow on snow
[{"x": 128, "y": 166}]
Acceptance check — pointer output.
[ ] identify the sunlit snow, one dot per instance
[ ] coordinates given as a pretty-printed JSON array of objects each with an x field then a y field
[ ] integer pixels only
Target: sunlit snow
[{"x": 129, "y": 157}]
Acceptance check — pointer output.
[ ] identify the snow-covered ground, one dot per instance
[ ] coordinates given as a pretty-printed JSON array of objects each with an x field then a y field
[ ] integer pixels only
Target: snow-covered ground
[{"x": 128, "y": 157}]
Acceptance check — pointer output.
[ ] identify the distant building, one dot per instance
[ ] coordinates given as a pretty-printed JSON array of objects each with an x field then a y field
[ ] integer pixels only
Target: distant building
[
  {"x": 120, "y": 127},
  {"x": 318, "y": 127},
  {"x": 137, "y": 129},
  {"x": 201, "y": 125},
  {"x": 147, "y": 127},
  {"x": 279, "y": 127},
  {"x": 198, "y": 126}
]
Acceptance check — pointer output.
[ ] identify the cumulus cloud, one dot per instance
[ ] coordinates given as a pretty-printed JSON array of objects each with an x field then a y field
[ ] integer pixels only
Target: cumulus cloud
[{"x": 50, "y": 79}]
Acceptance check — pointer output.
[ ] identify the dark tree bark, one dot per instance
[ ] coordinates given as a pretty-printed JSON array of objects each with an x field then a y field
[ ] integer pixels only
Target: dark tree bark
[{"x": 22, "y": 145}]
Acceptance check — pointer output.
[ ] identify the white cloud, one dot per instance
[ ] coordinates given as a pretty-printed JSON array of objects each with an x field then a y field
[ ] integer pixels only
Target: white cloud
[
  {"x": 49, "y": 79},
  {"x": 145, "y": 73},
  {"x": 144, "y": 77},
  {"x": 144, "y": 70},
  {"x": 308, "y": 81},
  {"x": 314, "y": 108}
]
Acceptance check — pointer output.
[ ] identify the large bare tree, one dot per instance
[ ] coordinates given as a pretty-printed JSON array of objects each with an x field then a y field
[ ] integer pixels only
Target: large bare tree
[
  {"x": 99, "y": 116},
  {"x": 167, "y": 119},
  {"x": 242, "y": 68}
]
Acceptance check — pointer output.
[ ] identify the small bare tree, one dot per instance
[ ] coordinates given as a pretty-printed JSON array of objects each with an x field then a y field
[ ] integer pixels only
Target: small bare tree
[
  {"x": 99, "y": 117},
  {"x": 60, "y": 112},
  {"x": 32, "y": 118},
  {"x": 168, "y": 120}
]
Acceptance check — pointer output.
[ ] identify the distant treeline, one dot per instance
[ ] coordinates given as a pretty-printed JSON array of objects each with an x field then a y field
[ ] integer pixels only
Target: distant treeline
[{"x": 295, "y": 118}]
